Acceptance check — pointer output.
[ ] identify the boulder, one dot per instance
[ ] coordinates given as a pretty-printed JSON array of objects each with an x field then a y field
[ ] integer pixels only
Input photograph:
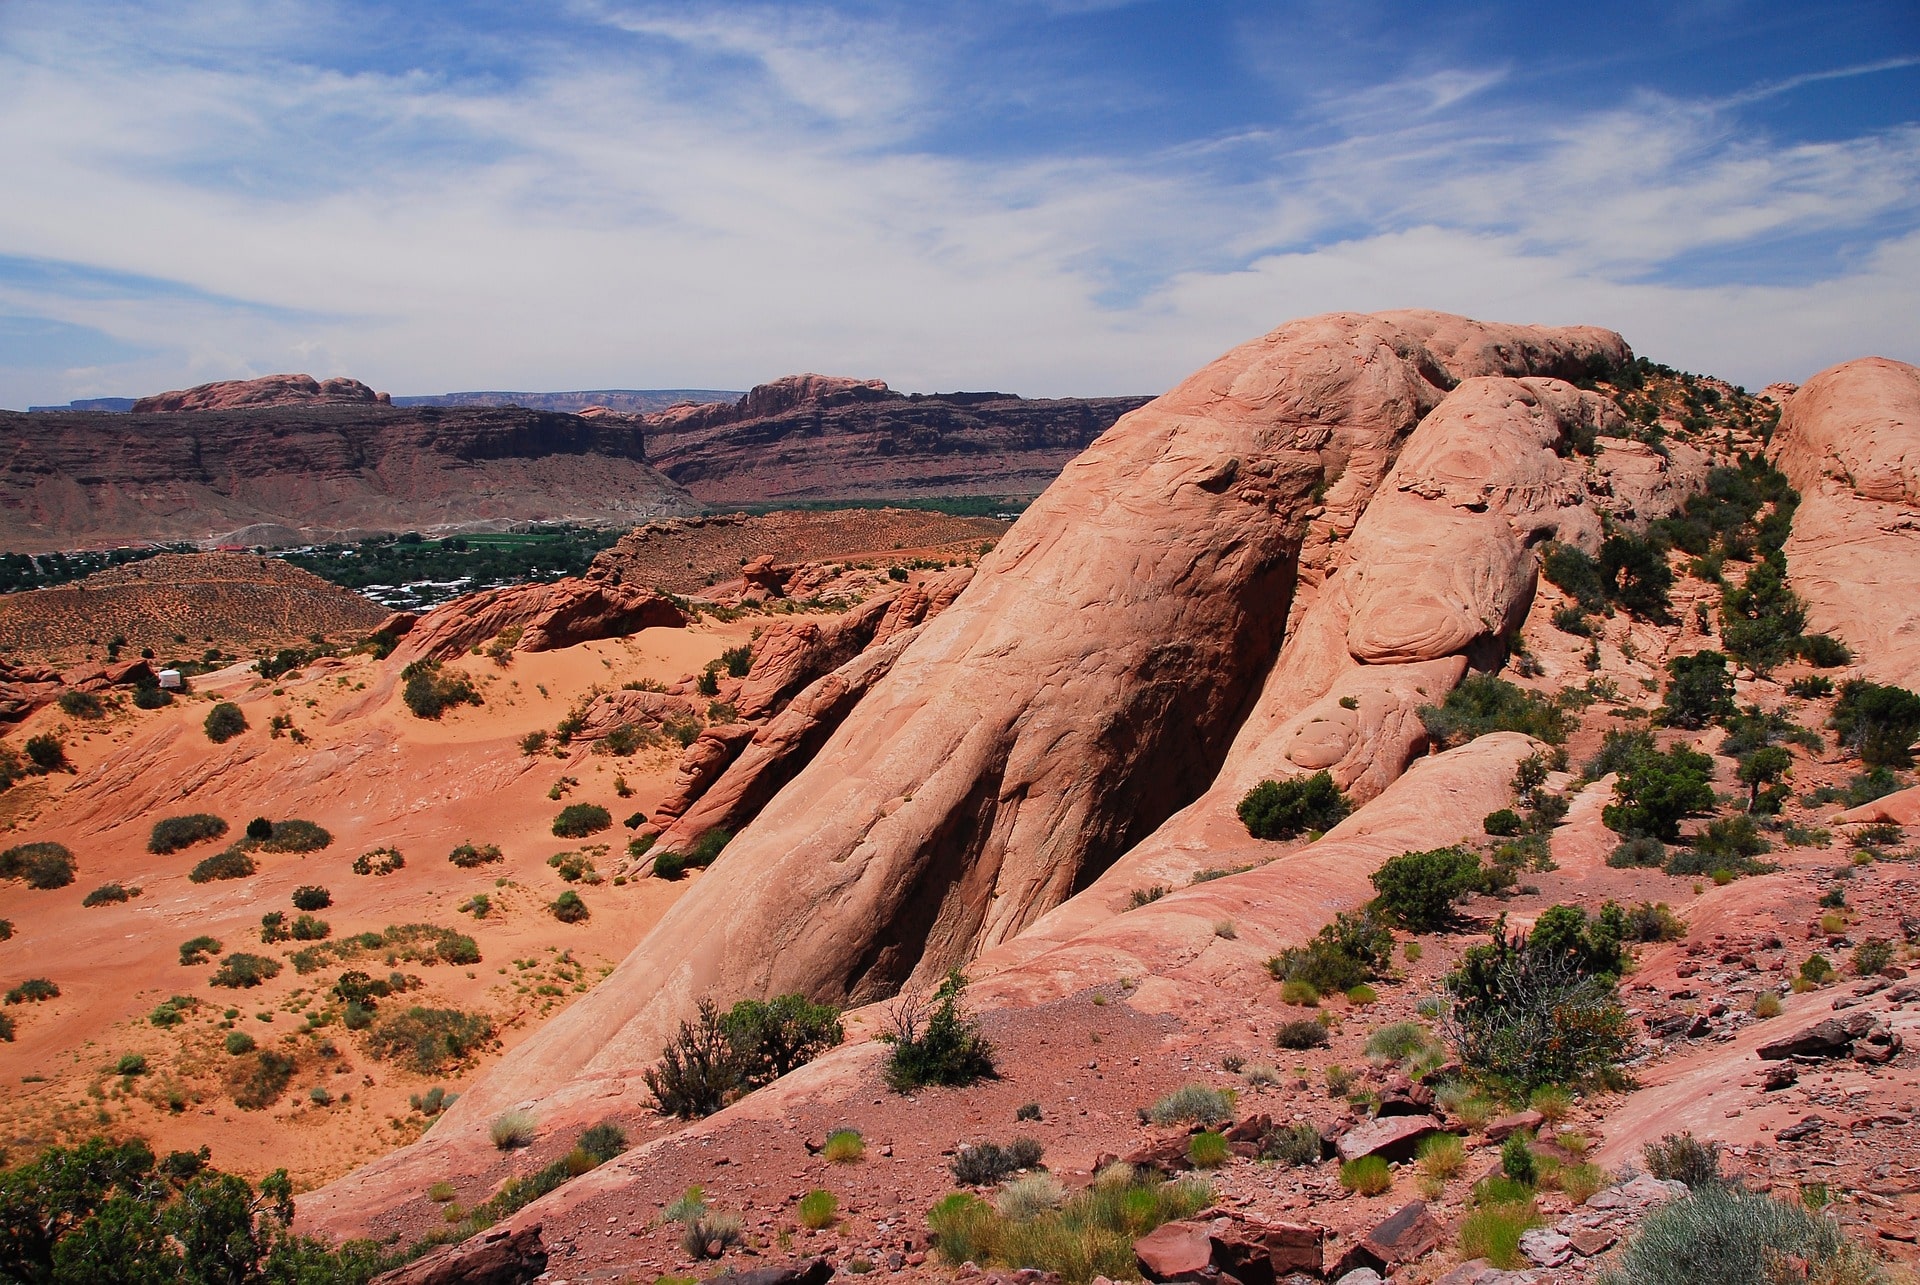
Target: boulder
[
  {"x": 498, "y": 1256},
  {"x": 1176, "y": 1251},
  {"x": 1514, "y": 1122},
  {"x": 1832, "y": 1037},
  {"x": 1393, "y": 1138},
  {"x": 1409, "y": 1233},
  {"x": 804, "y": 1271}
]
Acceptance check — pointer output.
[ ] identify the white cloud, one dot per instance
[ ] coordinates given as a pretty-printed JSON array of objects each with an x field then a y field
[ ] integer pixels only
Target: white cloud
[{"x": 593, "y": 223}]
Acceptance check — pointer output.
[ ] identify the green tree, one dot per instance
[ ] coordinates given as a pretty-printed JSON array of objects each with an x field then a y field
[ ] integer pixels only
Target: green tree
[
  {"x": 1877, "y": 722},
  {"x": 1762, "y": 769},
  {"x": 1761, "y": 621},
  {"x": 773, "y": 1037},
  {"x": 1701, "y": 690},
  {"x": 1655, "y": 792}
]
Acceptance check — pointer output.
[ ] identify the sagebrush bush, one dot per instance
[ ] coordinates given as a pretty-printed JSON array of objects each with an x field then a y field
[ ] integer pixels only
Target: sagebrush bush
[
  {"x": 1090, "y": 1234},
  {"x": 1681, "y": 1157},
  {"x": 1730, "y": 1236},
  {"x": 292, "y": 836},
  {"x": 311, "y": 897},
  {"x": 109, "y": 893},
  {"x": 1398, "y": 1041},
  {"x": 174, "y": 833},
  {"x": 430, "y": 691},
  {"x": 1194, "y": 1104},
  {"x": 569, "y": 908},
  {"x": 257, "y": 1080},
  {"x": 379, "y": 862},
  {"x": 1028, "y": 1197},
  {"x": 34, "y": 990}
]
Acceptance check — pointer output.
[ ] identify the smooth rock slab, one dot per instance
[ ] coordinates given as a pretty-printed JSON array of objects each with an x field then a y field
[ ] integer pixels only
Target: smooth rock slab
[
  {"x": 1545, "y": 1247},
  {"x": 1390, "y": 1137}
]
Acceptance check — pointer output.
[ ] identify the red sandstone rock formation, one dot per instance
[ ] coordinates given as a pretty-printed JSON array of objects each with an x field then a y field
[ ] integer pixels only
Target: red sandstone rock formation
[
  {"x": 1091, "y": 679},
  {"x": 269, "y": 390},
  {"x": 1850, "y": 443},
  {"x": 557, "y": 614}
]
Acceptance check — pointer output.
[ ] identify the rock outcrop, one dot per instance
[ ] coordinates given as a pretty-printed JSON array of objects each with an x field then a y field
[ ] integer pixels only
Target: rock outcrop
[
  {"x": 811, "y": 437},
  {"x": 290, "y": 474},
  {"x": 259, "y": 394},
  {"x": 547, "y": 616},
  {"x": 1850, "y": 443},
  {"x": 1087, "y": 685}
]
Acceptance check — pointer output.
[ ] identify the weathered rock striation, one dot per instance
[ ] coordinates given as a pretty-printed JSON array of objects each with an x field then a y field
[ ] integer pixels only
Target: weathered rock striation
[
  {"x": 1849, "y": 441},
  {"x": 812, "y": 437},
  {"x": 288, "y": 474}
]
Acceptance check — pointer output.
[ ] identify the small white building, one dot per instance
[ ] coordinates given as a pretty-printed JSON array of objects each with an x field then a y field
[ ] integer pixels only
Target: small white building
[{"x": 170, "y": 679}]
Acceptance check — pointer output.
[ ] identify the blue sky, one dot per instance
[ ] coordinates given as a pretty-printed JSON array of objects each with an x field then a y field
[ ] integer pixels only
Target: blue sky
[{"x": 1054, "y": 197}]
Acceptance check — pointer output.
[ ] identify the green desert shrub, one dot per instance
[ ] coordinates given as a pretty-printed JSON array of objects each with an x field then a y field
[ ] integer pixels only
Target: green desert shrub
[
  {"x": 79, "y": 704},
  {"x": 1284, "y": 809},
  {"x": 311, "y": 897},
  {"x": 242, "y": 971},
  {"x": 173, "y": 1011},
  {"x": 224, "y": 722},
  {"x": 1502, "y": 824},
  {"x": 39, "y": 865},
  {"x": 1346, "y": 952},
  {"x": 818, "y": 1209},
  {"x": 239, "y": 1042},
  {"x": 1486, "y": 703},
  {"x": 174, "y": 833},
  {"x": 569, "y": 908},
  {"x": 34, "y": 990},
  {"x": 844, "y": 1147},
  {"x": 292, "y": 836},
  {"x": 578, "y": 820},
  {"x": 1086, "y": 1235},
  {"x": 379, "y": 862},
  {"x": 109, "y": 893},
  {"x": 469, "y": 855},
  {"x": 934, "y": 1041},
  {"x": 1398, "y": 1041},
  {"x": 230, "y": 863},
  {"x": 1293, "y": 1144},
  {"x": 430, "y": 691},
  {"x": 1366, "y": 1176},
  {"x": 47, "y": 753},
  {"x": 429, "y": 1040},
  {"x": 1642, "y": 851},
  {"x": 1725, "y": 844},
  {"x": 308, "y": 928},
  {"x": 1701, "y": 690},
  {"x": 1527, "y": 1014},
  {"x": 1208, "y": 1150},
  {"x": 1681, "y": 1157},
  {"x": 1418, "y": 890}
]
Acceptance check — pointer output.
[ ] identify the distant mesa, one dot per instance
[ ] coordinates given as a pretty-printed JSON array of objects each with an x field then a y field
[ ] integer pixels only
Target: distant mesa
[
  {"x": 617, "y": 401},
  {"x": 268, "y": 391}
]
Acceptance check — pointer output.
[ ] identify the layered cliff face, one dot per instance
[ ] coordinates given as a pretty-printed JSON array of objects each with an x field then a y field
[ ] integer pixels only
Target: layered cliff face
[
  {"x": 290, "y": 474},
  {"x": 1849, "y": 441},
  {"x": 811, "y": 437},
  {"x": 1101, "y": 668}
]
